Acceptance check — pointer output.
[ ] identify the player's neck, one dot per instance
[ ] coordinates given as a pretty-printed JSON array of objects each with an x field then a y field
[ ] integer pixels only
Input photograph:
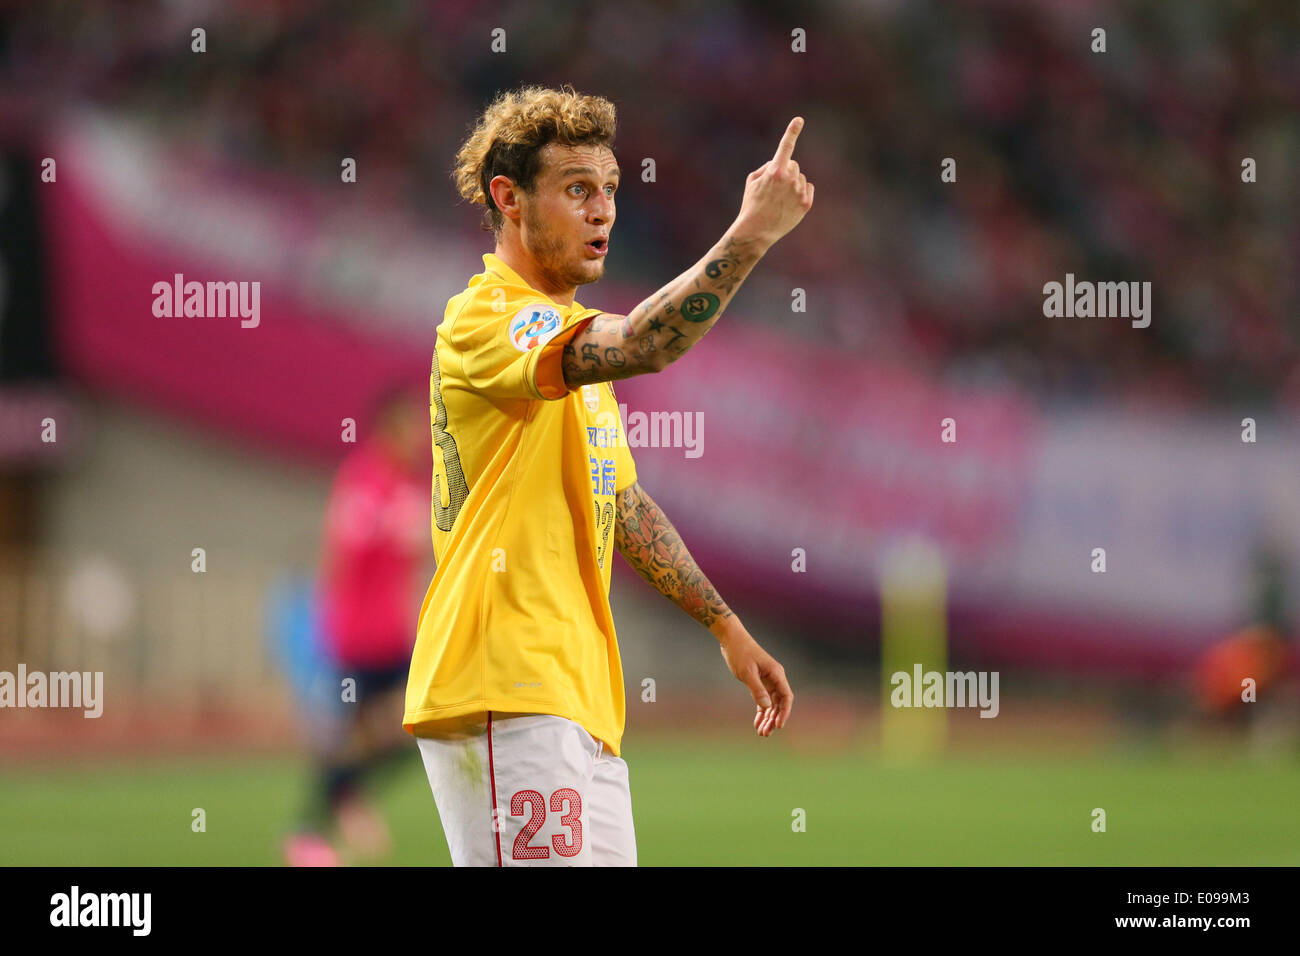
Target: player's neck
[{"x": 517, "y": 259}]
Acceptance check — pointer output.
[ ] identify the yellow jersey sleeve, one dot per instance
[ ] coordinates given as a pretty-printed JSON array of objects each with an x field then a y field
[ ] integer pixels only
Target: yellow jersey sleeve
[{"x": 511, "y": 343}]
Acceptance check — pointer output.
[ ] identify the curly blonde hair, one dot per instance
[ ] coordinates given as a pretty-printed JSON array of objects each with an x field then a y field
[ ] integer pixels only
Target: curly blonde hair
[{"x": 509, "y": 136}]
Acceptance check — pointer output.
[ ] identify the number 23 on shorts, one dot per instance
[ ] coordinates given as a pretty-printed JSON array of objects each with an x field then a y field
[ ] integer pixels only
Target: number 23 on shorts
[{"x": 564, "y": 801}]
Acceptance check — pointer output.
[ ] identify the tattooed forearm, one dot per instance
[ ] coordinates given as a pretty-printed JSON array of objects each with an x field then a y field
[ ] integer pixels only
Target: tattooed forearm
[
  {"x": 651, "y": 545},
  {"x": 666, "y": 325}
]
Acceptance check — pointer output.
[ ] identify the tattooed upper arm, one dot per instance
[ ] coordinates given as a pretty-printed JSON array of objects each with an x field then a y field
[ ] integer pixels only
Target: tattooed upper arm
[
  {"x": 665, "y": 326},
  {"x": 605, "y": 351}
]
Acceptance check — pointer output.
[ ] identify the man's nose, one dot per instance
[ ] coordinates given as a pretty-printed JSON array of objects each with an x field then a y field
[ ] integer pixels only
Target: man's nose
[{"x": 603, "y": 209}]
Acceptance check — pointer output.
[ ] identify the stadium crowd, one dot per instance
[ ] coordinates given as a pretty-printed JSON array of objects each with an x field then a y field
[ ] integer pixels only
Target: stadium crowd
[{"x": 1115, "y": 166}]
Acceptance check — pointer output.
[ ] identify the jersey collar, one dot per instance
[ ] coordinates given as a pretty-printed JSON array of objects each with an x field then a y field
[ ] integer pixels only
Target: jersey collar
[{"x": 494, "y": 263}]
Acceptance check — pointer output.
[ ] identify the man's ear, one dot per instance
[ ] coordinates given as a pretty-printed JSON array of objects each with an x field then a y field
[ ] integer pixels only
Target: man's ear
[{"x": 506, "y": 196}]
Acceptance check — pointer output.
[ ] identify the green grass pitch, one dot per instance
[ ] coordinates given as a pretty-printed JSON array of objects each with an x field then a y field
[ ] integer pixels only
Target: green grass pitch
[{"x": 713, "y": 802}]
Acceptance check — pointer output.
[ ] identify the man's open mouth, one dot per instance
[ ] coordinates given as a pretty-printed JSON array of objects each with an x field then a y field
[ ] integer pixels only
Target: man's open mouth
[{"x": 599, "y": 246}]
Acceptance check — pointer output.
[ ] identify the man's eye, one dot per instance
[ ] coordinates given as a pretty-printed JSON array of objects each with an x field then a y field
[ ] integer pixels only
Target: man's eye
[{"x": 575, "y": 186}]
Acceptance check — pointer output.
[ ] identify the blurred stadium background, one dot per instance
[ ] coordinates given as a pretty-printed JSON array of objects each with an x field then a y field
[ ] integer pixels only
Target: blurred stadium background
[{"x": 924, "y": 301}]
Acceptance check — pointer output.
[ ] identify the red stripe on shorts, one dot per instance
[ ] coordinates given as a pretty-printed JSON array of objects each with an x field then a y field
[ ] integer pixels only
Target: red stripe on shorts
[{"x": 496, "y": 830}]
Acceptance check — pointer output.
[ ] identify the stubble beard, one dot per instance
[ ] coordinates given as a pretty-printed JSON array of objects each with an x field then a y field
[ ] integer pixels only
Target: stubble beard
[{"x": 554, "y": 260}]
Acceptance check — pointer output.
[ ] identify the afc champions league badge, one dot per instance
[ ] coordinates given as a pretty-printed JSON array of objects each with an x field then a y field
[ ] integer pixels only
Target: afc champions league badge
[
  {"x": 534, "y": 326},
  {"x": 591, "y": 397}
]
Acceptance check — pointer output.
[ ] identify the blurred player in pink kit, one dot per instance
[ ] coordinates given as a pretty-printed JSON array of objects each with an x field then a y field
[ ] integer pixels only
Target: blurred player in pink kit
[{"x": 372, "y": 576}]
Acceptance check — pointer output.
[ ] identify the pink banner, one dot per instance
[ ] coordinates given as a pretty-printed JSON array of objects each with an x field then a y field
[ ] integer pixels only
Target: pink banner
[
  {"x": 806, "y": 448},
  {"x": 286, "y": 382}
]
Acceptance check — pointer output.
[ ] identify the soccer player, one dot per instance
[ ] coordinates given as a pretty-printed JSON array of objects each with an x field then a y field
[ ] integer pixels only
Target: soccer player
[
  {"x": 1261, "y": 651},
  {"x": 516, "y": 691},
  {"x": 371, "y": 556}
]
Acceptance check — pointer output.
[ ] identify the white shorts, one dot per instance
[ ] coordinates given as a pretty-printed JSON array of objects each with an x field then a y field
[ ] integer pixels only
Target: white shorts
[{"x": 557, "y": 797}]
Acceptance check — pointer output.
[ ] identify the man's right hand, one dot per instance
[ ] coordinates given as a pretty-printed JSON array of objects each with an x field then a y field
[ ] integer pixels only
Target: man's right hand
[
  {"x": 777, "y": 195},
  {"x": 663, "y": 327}
]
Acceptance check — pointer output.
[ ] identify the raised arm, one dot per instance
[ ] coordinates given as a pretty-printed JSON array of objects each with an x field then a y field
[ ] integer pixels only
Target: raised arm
[
  {"x": 651, "y": 545},
  {"x": 665, "y": 326}
]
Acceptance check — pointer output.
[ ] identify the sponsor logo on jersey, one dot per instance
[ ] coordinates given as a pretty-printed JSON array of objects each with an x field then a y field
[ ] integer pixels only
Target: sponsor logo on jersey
[
  {"x": 591, "y": 397},
  {"x": 534, "y": 326}
]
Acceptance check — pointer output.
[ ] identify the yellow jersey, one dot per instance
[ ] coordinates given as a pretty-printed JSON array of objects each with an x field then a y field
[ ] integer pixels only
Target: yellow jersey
[{"x": 517, "y": 616}]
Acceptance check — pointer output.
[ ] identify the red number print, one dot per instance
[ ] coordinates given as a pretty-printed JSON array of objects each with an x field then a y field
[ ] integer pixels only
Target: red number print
[
  {"x": 570, "y": 820},
  {"x": 522, "y": 850}
]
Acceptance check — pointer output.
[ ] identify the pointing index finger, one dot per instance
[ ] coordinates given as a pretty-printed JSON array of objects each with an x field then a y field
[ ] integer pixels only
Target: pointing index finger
[{"x": 785, "y": 149}]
